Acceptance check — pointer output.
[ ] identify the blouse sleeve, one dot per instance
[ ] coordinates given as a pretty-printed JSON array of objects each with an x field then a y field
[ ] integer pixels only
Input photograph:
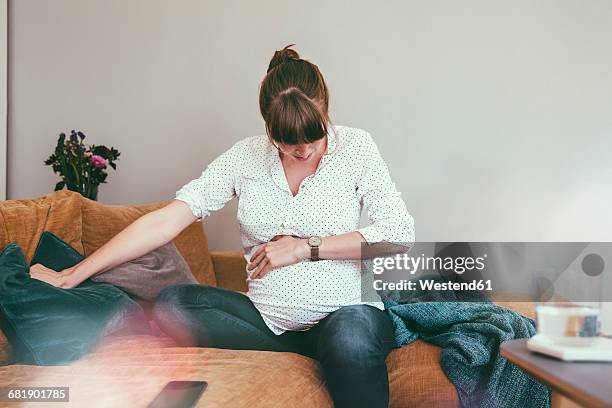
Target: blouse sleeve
[
  {"x": 215, "y": 186},
  {"x": 387, "y": 212}
]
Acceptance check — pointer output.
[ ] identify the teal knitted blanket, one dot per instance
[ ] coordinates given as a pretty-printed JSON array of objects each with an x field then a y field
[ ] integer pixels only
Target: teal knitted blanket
[{"x": 470, "y": 334}]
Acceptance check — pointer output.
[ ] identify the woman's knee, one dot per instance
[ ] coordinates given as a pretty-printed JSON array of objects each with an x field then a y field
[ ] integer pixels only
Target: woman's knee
[
  {"x": 172, "y": 311},
  {"x": 356, "y": 335},
  {"x": 174, "y": 302}
]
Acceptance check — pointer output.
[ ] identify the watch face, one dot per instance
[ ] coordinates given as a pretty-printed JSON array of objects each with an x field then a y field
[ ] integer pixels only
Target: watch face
[{"x": 314, "y": 241}]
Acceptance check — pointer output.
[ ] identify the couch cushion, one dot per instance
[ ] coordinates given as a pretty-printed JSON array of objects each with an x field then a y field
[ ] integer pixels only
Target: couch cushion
[
  {"x": 48, "y": 325},
  {"x": 101, "y": 222},
  {"x": 416, "y": 378},
  {"x": 23, "y": 221},
  {"x": 149, "y": 274},
  {"x": 130, "y": 371},
  {"x": 230, "y": 270},
  {"x": 135, "y": 368},
  {"x": 5, "y": 350}
]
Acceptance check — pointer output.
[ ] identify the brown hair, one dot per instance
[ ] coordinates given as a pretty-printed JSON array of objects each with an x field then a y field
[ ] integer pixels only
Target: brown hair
[{"x": 293, "y": 99}]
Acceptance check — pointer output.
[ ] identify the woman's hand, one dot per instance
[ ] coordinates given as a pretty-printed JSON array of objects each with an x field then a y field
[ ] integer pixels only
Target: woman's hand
[
  {"x": 282, "y": 250},
  {"x": 58, "y": 279}
]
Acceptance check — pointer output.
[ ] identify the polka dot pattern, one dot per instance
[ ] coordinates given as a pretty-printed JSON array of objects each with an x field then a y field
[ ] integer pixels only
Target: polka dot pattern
[{"x": 351, "y": 175}]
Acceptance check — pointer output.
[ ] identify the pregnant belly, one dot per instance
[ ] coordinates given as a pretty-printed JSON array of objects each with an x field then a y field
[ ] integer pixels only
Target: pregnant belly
[{"x": 299, "y": 295}]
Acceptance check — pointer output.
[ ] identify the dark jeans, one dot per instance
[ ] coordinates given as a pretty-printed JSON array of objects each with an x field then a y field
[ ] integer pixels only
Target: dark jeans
[{"x": 351, "y": 344}]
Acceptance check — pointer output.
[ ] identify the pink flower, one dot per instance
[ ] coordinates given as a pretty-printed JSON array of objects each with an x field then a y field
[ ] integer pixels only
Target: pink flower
[{"x": 98, "y": 162}]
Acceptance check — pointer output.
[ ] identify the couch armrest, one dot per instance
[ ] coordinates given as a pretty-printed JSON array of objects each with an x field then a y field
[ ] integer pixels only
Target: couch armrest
[
  {"x": 521, "y": 303},
  {"x": 230, "y": 269}
]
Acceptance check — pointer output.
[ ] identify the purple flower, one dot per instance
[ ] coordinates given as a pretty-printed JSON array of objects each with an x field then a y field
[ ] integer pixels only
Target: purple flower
[{"x": 98, "y": 162}]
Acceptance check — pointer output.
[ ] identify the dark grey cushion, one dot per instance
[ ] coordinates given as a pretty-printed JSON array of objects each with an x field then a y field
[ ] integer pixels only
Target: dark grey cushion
[{"x": 146, "y": 276}]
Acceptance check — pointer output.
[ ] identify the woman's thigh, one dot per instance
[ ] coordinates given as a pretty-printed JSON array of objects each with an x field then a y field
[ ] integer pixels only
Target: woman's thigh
[{"x": 216, "y": 317}]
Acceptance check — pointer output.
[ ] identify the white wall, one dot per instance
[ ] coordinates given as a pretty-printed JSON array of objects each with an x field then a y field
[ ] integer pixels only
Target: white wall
[
  {"x": 3, "y": 96},
  {"x": 495, "y": 117}
]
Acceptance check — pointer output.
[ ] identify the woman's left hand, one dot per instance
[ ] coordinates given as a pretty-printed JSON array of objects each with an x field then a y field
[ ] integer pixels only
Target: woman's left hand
[{"x": 282, "y": 250}]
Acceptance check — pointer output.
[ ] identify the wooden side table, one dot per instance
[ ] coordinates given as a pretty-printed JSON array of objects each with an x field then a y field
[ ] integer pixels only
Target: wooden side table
[{"x": 586, "y": 384}]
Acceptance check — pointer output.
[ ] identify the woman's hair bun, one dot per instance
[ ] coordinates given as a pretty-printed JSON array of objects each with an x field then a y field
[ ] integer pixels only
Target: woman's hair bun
[{"x": 282, "y": 56}]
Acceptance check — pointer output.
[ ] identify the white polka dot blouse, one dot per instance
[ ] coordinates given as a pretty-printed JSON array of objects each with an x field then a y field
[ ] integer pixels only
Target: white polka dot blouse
[{"x": 350, "y": 176}]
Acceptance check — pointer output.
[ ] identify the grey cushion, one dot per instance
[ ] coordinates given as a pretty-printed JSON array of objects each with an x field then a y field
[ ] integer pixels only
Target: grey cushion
[{"x": 146, "y": 276}]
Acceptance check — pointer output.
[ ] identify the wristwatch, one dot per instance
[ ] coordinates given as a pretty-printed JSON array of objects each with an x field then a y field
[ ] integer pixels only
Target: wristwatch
[{"x": 314, "y": 243}]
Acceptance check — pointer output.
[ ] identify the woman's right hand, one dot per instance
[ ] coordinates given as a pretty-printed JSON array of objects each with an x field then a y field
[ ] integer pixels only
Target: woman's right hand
[{"x": 60, "y": 279}]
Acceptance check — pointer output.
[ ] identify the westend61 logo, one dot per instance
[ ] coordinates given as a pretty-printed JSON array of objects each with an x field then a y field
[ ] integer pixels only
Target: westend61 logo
[{"x": 414, "y": 264}]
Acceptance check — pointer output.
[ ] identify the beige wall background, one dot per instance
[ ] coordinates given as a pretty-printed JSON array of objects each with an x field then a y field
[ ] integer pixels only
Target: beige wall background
[
  {"x": 495, "y": 117},
  {"x": 3, "y": 96}
]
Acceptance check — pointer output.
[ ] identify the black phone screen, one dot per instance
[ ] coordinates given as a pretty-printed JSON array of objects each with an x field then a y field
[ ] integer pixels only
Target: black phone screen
[{"x": 179, "y": 394}]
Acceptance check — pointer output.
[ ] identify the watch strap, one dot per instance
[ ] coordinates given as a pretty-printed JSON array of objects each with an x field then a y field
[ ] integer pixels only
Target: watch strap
[{"x": 314, "y": 253}]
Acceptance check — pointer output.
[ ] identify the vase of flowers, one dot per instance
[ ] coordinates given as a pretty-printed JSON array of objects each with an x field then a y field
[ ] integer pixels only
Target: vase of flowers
[{"x": 82, "y": 168}]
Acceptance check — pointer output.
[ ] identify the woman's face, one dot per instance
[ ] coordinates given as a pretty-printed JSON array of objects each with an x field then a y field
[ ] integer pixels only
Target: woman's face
[{"x": 304, "y": 152}]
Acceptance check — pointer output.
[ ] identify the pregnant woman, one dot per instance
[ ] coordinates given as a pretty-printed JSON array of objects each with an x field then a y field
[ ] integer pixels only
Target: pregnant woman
[{"x": 301, "y": 188}]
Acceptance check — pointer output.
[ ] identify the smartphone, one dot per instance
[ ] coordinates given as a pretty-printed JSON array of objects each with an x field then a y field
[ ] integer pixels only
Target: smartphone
[{"x": 179, "y": 394}]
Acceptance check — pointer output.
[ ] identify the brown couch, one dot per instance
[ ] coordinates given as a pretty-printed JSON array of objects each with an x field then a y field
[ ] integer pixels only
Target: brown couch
[{"x": 130, "y": 370}]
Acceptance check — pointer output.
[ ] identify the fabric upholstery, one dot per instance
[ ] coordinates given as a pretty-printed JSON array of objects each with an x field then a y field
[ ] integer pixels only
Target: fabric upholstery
[
  {"x": 230, "y": 270},
  {"x": 102, "y": 221},
  {"x": 129, "y": 371},
  {"x": 22, "y": 221},
  {"x": 135, "y": 368},
  {"x": 416, "y": 379},
  {"x": 5, "y": 350}
]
